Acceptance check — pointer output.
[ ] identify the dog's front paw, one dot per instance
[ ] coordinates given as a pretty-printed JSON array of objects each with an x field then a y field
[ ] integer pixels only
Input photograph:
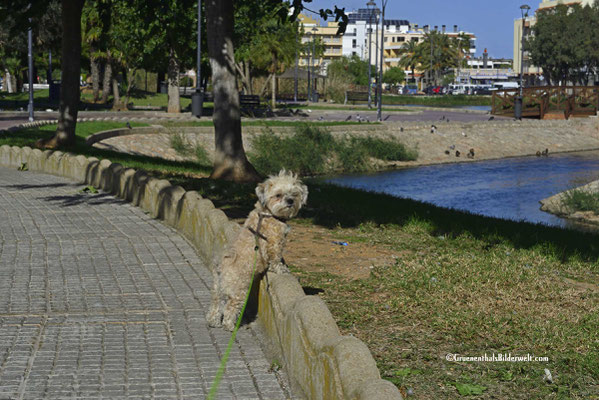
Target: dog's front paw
[
  {"x": 214, "y": 318},
  {"x": 279, "y": 268},
  {"x": 229, "y": 322}
]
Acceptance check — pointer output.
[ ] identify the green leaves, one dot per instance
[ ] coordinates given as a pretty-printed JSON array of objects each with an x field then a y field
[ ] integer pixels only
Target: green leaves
[
  {"x": 89, "y": 189},
  {"x": 565, "y": 43},
  {"x": 469, "y": 389}
]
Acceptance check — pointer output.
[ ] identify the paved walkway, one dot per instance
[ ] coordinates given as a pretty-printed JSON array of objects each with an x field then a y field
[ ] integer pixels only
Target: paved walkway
[{"x": 98, "y": 300}]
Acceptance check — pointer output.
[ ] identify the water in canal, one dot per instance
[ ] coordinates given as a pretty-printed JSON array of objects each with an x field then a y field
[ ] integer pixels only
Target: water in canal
[{"x": 509, "y": 188}]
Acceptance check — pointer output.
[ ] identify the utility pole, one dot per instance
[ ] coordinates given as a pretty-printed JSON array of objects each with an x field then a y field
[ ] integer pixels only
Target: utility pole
[
  {"x": 30, "y": 59},
  {"x": 380, "y": 85}
]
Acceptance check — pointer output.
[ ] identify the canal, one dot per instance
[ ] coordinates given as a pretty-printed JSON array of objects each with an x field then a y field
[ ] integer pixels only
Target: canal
[{"x": 509, "y": 188}]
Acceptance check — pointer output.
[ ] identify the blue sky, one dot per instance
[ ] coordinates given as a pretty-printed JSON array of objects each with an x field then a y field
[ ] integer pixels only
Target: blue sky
[{"x": 491, "y": 21}]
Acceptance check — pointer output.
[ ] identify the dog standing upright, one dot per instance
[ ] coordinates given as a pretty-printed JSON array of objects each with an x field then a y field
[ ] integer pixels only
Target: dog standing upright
[{"x": 280, "y": 198}]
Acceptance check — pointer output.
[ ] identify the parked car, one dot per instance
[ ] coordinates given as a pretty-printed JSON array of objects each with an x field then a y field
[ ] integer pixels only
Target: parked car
[
  {"x": 434, "y": 90},
  {"x": 410, "y": 89},
  {"x": 482, "y": 90}
]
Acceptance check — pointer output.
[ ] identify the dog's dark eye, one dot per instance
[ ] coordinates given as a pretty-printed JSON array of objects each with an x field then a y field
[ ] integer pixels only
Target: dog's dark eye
[{"x": 278, "y": 196}]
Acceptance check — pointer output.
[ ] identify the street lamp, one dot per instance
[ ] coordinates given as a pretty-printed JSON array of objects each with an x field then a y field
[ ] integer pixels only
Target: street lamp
[
  {"x": 380, "y": 85},
  {"x": 30, "y": 60},
  {"x": 314, "y": 88},
  {"x": 518, "y": 101},
  {"x": 371, "y": 4},
  {"x": 377, "y": 12},
  {"x": 197, "y": 98}
]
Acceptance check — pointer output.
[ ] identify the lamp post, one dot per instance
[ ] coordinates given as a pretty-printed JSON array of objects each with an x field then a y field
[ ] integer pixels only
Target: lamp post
[
  {"x": 380, "y": 85},
  {"x": 197, "y": 98},
  {"x": 296, "y": 69},
  {"x": 430, "y": 80},
  {"x": 30, "y": 59},
  {"x": 371, "y": 4},
  {"x": 518, "y": 101},
  {"x": 314, "y": 88},
  {"x": 376, "y": 56},
  {"x": 309, "y": 34}
]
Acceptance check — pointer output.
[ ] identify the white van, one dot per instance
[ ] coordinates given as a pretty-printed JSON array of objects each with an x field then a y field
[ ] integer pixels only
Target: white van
[
  {"x": 505, "y": 85},
  {"x": 462, "y": 88}
]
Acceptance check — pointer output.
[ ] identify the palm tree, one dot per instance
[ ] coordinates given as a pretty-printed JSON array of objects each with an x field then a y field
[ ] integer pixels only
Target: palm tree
[{"x": 410, "y": 56}]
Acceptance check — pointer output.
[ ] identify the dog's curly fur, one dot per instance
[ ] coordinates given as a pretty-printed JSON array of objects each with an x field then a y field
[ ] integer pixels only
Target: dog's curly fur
[{"x": 280, "y": 198}]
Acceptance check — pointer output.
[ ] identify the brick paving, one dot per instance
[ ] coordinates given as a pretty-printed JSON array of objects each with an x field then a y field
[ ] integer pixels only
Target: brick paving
[{"x": 100, "y": 301}]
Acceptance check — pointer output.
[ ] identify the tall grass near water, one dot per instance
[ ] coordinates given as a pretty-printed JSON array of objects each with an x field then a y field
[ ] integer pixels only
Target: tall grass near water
[{"x": 312, "y": 150}]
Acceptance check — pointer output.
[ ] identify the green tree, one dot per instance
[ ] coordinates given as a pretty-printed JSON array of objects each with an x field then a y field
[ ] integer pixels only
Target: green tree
[
  {"x": 565, "y": 43},
  {"x": 410, "y": 56},
  {"x": 437, "y": 54},
  {"x": 352, "y": 67},
  {"x": 394, "y": 76}
]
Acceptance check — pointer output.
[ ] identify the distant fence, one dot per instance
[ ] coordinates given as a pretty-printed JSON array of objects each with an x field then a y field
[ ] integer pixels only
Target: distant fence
[{"x": 549, "y": 102}]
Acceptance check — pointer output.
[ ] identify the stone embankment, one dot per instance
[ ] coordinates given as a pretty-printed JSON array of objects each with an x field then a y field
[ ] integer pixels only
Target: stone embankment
[
  {"x": 445, "y": 143},
  {"x": 556, "y": 205}
]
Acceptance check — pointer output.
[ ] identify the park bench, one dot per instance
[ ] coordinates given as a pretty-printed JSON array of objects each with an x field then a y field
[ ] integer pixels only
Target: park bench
[
  {"x": 249, "y": 103},
  {"x": 355, "y": 96},
  {"x": 291, "y": 96}
]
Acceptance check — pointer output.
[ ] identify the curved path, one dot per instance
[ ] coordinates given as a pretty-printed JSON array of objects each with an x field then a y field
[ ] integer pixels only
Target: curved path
[{"x": 98, "y": 300}]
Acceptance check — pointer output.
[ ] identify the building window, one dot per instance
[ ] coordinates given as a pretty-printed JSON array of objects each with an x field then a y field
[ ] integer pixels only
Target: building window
[
  {"x": 353, "y": 53},
  {"x": 401, "y": 39},
  {"x": 354, "y": 43}
]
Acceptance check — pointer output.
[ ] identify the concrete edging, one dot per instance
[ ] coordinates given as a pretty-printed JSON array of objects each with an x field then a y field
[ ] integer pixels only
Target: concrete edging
[{"x": 320, "y": 362}]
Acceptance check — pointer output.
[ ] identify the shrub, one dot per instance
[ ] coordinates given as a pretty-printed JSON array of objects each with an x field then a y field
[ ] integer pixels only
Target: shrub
[
  {"x": 304, "y": 152},
  {"x": 179, "y": 144},
  {"x": 201, "y": 155},
  {"x": 581, "y": 200},
  {"x": 311, "y": 150}
]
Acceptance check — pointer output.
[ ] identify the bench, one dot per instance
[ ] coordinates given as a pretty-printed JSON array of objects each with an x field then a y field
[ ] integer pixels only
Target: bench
[
  {"x": 291, "y": 96},
  {"x": 355, "y": 96},
  {"x": 247, "y": 102}
]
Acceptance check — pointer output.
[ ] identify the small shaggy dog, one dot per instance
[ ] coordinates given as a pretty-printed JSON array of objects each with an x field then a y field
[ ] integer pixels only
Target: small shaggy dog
[{"x": 280, "y": 198}]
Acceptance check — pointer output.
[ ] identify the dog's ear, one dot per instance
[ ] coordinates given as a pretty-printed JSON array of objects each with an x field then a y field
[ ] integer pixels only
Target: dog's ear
[
  {"x": 304, "y": 194},
  {"x": 261, "y": 192}
]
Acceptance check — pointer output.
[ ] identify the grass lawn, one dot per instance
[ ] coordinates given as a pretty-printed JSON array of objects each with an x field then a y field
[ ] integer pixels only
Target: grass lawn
[
  {"x": 336, "y": 107},
  {"x": 457, "y": 283},
  {"x": 265, "y": 123},
  {"x": 438, "y": 101},
  {"x": 138, "y": 98}
]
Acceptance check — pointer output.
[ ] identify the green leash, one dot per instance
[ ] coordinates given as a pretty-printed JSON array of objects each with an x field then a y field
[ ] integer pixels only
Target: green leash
[{"x": 223, "y": 363}]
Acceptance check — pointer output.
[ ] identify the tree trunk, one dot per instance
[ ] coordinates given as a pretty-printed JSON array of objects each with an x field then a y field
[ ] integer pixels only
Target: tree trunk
[
  {"x": 230, "y": 161},
  {"x": 130, "y": 84},
  {"x": 8, "y": 82},
  {"x": 273, "y": 86},
  {"x": 248, "y": 74},
  {"x": 244, "y": 73},
  {"x": 174, "y": 105},
  {"x": 95, "y": 69},
  {"x": 116, "y": 102},
  {"x": 107, "y": 80},
  {"x": 71, "y": 70}
]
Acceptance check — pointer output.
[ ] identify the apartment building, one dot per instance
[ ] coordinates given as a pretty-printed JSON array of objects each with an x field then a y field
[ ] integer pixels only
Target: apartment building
[
  {"x": 531, "y": 73},
  {"x": 332, "y": 42},
  {"x": 396, "y": 33},
  {"x": 355, "y": 40}
]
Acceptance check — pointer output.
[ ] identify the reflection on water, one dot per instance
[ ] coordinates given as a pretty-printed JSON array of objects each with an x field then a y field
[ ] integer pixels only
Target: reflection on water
[{"x": 509, "y": 188}]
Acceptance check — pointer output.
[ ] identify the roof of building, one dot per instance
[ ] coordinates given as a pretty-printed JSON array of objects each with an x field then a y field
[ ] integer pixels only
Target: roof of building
[{"x": 363, "y": 14}]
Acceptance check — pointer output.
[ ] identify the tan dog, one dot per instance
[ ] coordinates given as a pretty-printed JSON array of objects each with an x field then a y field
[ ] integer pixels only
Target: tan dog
[{"x": 280, "y": 198}]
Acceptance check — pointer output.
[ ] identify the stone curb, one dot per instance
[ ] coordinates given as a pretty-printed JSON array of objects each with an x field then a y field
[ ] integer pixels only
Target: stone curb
[{"x": 319, "y": 361}]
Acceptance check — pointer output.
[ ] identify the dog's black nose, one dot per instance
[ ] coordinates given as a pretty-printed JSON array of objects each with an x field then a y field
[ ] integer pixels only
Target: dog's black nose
[{"x": 290, "y": 202}]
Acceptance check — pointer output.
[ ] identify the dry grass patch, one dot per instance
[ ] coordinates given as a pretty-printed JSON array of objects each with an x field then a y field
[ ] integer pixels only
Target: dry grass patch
[{"x": 464, "y": 295}]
